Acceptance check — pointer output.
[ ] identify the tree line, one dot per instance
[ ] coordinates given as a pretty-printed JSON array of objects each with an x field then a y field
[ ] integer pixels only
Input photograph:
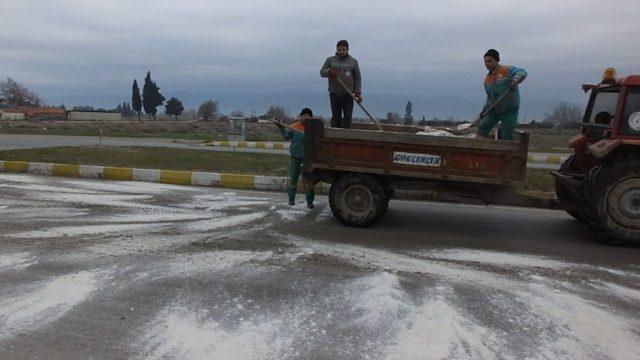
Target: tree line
[
  {"x": 562, "y": 116},
  {"x": 14, "y": 94},
  {"x": 151, "y": 98}
]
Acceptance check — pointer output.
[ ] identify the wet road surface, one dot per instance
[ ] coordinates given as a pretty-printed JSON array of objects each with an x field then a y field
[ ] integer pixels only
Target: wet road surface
[{"x": 128, "y": 270}]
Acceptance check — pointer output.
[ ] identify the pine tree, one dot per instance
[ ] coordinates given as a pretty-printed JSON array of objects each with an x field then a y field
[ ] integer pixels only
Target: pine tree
[
  {"x": 151, "y": 97},
  {"x": 408, "y": 117},
  {"x": 135, "y": 98},
  {"x": 174, "y": 107}
]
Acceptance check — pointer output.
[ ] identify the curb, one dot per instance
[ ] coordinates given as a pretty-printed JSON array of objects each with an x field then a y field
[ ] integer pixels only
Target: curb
[
  {"x": 275, "y": 145},
  {"x": 232, "y": 181}
]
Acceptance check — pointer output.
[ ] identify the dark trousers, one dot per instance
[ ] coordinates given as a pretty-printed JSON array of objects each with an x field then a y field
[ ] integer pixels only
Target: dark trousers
[
  {"x": 341, "y": 110},
  {"x": 295, "y": 168}
]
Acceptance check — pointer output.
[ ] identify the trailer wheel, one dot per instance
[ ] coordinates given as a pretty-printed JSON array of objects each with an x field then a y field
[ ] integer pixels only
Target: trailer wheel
[
  {"x": 358, "y": 200},
  {"x": 618, "y": 199},
  {"x": 563, "y": 193}
]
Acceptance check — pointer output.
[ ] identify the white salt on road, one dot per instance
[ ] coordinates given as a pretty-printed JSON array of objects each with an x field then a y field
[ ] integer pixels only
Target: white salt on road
[
  {"x": 157, "y": 271},
  {"x": 46, "y": 302}
]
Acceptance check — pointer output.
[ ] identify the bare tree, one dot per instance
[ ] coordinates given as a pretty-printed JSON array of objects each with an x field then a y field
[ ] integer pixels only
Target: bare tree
[
  {"x": 236, "y": 113},
  {"x": 208, "y": 110},
  {"x": 392, "y": 118},
  {"x": 15, "y": 94},
  {"x": 276, "y": 111},
  {"x": 564, "y": 115}
]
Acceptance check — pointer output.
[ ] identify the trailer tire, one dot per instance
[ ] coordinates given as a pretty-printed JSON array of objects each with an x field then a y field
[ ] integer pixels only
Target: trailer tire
[
  {"x": 389, "y": 193},
  {"x": 617, "y": 199},
  {"x": 563, "y": 193},
  {"x": 358, "y": 200}
]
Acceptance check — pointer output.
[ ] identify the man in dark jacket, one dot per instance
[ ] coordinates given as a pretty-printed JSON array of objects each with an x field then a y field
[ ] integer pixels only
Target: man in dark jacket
[{"x": 344, "y": 67}]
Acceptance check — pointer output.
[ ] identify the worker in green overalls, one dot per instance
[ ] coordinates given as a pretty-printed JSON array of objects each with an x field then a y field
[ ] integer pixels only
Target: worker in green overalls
[
  {"x": 295, "y": 133},
  {"x": 499, "y": 80}
]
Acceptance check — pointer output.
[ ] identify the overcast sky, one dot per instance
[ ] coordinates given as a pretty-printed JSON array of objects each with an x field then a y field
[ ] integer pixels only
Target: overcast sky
[{"x": 428, "y": 47}]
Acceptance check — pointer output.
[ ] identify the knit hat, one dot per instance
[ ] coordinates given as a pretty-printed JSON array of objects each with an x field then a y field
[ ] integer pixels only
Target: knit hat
[
  {"x": 493, "y": 53},
  {"x": 306, "y": 111},
  {"x": 343, "y": 43}
]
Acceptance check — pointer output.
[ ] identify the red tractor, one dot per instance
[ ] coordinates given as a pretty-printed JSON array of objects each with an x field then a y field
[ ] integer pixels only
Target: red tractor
[{"x": 602, "y": 177}]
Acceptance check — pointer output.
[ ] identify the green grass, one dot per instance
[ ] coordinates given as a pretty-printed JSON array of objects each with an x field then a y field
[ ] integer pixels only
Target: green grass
[
  {"x": 156, "y": 158},
  {"x": 551, "y": 150},
  {"x": 116, "y": 133},
  {"x": 538, "y": 180},
  {"x": 550, "y": 139},
  {"x": 190, "y": 130}
]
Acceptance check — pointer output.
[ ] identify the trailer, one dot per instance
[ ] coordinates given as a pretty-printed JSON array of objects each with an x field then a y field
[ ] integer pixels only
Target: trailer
[{"x": 366, "y": 166}]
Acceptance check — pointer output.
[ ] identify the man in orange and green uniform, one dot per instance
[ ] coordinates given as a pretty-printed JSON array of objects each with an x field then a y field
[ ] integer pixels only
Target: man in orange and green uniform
[
  {"x": 295, "y": 133},
  {"x": 499, "y": 80}
]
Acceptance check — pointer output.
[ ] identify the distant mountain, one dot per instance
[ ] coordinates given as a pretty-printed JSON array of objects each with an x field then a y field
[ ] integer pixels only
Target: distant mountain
[{"x": 377, "y": 103}]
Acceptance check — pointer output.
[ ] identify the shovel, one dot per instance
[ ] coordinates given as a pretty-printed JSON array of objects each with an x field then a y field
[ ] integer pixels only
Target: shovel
[
  {"x": 278, "y": 123},
  {"x": 467, "y": 128},
  {"x": 359, "y": 104}
]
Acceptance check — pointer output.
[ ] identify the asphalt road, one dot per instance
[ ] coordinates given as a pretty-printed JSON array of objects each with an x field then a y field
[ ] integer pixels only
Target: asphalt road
[
  {"x": 20, "y": 141},
  {"x": 23, "y": 141},
  {"x": 126, "y": 270}
]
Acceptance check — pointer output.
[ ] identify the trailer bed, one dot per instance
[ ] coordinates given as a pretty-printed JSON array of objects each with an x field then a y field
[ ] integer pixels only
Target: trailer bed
[{"x": 405, "y": 154}]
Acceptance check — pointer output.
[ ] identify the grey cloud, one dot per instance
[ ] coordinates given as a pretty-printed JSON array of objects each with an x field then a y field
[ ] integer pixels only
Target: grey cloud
[{"x": 404, "y": 47}]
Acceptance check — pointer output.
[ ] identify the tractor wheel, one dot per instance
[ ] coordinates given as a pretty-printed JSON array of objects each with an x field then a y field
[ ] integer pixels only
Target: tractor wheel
[
  {"x": 588, "y": 202},
  {"x": 358, "y": 200},
  {"x": 563, "y": 193},
  {"x": 617, "y": 198}
]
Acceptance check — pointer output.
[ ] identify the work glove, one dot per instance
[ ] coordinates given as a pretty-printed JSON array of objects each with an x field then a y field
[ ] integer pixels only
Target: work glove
[
  {"x": 357, "y": 96},
  {"x": 334, "y": 73},
  {"x": 514, "y": 83}
]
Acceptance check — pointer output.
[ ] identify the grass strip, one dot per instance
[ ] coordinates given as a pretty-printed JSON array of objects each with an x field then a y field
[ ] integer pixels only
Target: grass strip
[{"x": 156, "y": 158}]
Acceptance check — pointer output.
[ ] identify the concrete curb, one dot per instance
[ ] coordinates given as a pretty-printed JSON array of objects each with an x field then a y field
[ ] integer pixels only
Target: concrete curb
[{"x": 232, "y": 181}]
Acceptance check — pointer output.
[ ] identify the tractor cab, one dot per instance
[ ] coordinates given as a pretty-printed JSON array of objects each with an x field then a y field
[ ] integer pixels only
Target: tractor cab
[
  {"x": 602, "y": 177},
  {"x": 611, "y": 120}
]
